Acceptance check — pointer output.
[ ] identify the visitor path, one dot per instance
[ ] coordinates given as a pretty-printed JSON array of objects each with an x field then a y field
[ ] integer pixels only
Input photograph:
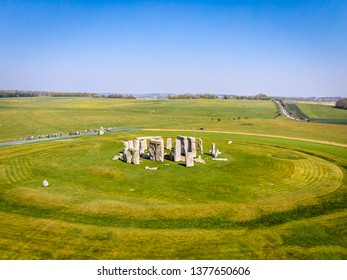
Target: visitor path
[
  {"x": 19, "y": 142},
  {"x": 65, "y": 136}
]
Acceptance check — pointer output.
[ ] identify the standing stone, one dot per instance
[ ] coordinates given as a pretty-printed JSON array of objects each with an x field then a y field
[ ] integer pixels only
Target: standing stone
[
  {"x": 213, "y": 149},
  {"x": 185, "y": 146},
  {"x": 143, "y": 146},
  {"x": 128, "y": 156},
  {"x": 178, "y": 145},
  {"x": 200, "y": 147},
  {"x": 192, "y": 145},
  {"x": 125, "y": 154},
  {"x": 168, "y": 143},
  {"x": 156, "y": 149},
  {"x": 160, "y": 150},
  {"x": 130, "y": 144},
  {"x": 136, "y": 144},
  {"x": 189, "y": 159},
  {"x": 151, "y": 150},
  {"x": 136, "y": 156}
]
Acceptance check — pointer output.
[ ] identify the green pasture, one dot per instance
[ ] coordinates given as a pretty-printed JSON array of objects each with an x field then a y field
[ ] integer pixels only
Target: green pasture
[
  {"x": 21, "y": 117},
  {"x": 273, "y": 199},
  {"x": 322, "y": 113}
]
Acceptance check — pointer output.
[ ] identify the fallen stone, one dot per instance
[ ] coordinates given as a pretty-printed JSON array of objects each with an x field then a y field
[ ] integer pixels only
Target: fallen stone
[
  {"x": 230, "y": 142},
  {"x": 199, "y": 160},
  {"x": 220, "y": 159},
  {"x": 152, "y": 168}
]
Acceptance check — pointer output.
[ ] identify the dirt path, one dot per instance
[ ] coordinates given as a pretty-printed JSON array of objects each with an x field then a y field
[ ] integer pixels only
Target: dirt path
[{"x": 255, "y": 134}]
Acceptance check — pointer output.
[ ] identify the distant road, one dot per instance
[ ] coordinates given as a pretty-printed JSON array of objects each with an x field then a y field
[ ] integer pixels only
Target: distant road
[{"x": 284, "y": 112}]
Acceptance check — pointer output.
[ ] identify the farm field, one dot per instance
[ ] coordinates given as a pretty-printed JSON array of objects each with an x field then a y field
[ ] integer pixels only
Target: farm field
[
  {"x": 21, "y": 117},
  {"x": 275, "y": 198},
  {"x": 320, "y": 113}
]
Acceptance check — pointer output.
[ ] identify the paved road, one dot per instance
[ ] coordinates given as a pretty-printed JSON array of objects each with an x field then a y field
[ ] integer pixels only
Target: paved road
[{"x": 284, "y": 112}]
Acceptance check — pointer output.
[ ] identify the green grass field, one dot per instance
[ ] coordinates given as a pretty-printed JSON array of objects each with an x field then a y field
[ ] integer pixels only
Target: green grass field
[
  {"x": 321, "y": 113},
  {"x": 36, "y": 116},
  {"x": 275, "y": 198}
]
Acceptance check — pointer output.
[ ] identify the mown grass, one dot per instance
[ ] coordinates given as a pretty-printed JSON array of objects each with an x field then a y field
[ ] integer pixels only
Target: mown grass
[
  {"x": 273, "y": 199},
  {"x": 323, "y": 113}
]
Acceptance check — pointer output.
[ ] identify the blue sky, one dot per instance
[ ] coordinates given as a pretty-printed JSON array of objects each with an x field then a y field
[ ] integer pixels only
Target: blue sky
[{"x": 287, "y": 48}]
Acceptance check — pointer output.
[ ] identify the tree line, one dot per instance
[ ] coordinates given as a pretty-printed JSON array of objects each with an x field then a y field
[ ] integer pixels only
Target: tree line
[
  {"x": 193, "y": 96},
  {"x": 27, "y": 93}
]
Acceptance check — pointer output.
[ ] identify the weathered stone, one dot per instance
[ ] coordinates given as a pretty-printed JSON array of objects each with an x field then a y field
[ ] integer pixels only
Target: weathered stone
[
  {"x": 200, "y": 147},
  {"x": 156, "y": 149},
  {"x": 128, "y": 156},
  {"x": 217, "y": 153},
  {"x": 192, "y": 145},
  {"x": 185, "y": 146},
  {"x": 189, "y": 159},
  {"x": 213, "y": 149},
  {"x": 137, "y": 144},
  {"x": 177, "y": 155},
  {"x": 151, "y": 168},
  {"x": 199, "y": 160},
  {"x": 143, "y": 146},
  {"x": 169, "y": 143},
  {"x": 135, "y": 156},
  {"x": 125, "y": 154},
  {"x": 130, "y": 144}
]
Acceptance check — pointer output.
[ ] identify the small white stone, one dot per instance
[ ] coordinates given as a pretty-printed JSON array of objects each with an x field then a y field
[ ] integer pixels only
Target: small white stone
[
  {"x": 153, "y": 168},
  {"x": 45, "y": 183}
]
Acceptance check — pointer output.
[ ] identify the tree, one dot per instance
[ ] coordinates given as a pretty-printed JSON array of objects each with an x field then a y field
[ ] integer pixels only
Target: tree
[{"x": 341, "y": 103}]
